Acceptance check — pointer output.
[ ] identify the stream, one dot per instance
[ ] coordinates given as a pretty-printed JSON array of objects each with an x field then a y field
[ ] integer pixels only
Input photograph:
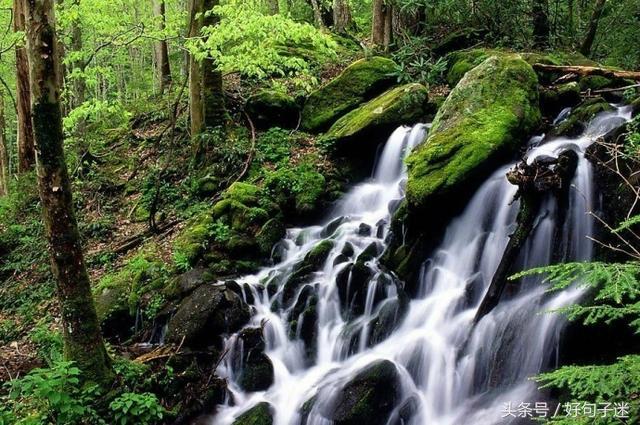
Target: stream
[{"x": 350, "y": 313}]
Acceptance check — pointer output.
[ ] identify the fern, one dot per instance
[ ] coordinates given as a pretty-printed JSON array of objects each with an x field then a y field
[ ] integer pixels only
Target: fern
[
  {"x": 615, "y": 290},
  {"x": 632, "y": 221}
]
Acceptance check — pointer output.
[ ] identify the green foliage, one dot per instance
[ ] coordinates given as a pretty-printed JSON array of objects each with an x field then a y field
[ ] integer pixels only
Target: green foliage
[
  {"x": 615, "y": 287},
  {"x": 297, "y": 189},
  {"x": 261, "y": 46},
  {"x": 613, "y": 383},
  {"x": 138, "y": 409},
  {"x": 415, "y": 63},
  {"x": 54, "y": 394}
]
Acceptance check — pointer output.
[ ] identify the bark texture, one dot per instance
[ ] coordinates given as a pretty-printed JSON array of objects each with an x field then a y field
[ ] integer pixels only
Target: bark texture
[
  {"x": 205, "y": 88},
  {"x": 584, "y": 71},
  {"x": 382, "y": 24},
  {"x": 83, "y": 342},
  {"x": 587, "y": 43},
  {"x": 163, "y": 67},
  {"x": 4, "y": 153},
  {"x": 26, "y": 151},
  {"x": 341, "y": 16}
]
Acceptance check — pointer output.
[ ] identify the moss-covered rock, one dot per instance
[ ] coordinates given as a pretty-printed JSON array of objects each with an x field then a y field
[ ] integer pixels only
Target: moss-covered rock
[
  {"x": 318, "y": 254},
  {"x": 484, "y": 119},
  {"x": 460, "y": 62},
  {"x": 270, "y": 234},
  {"x": 191, "y": 243},
  {"x": 580, "y": 117},
  {"x": 203, "y": 317},
  {"x": 553, "y": 99},
  {"x": 256, "y": 372},
  {"x": 401, "y": 105},
  {"x": 369, "y": 398},
  {"x": 358, "y": 83},
  {"x": 260, "y": 414},
  {"x": 273, "y": 108}
]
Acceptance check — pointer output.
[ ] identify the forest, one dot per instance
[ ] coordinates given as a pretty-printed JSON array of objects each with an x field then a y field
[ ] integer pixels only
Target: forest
[{"x": 319, "y": 212}]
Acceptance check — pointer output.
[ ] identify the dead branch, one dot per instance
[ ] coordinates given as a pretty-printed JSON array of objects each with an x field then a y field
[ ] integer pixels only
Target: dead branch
[{"x": 585, "y": 71}]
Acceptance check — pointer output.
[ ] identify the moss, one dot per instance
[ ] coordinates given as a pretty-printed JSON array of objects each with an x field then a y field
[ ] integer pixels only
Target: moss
[
  {"x": 595, "y": 82},
  {"x": 359, "y": 82},
  {"x": 272, "y": 108},
  {"x": 260, "y": 414},
  {"x": 484, "y": 117},
  {"x": 553, "y": 99},
  {"x": 270, "y": 234},
  {"x": 319, "y": 253},
  {"x": 118, "y": 295},
  {"x": 401, "y": 105},
  {"x": 580, "y": 116},
  {"x": 244, "y": 206},
  {"x": 298, "y": 190},
  {"x": 192, "y": 241},
  {"x": 463, "y": 61}
]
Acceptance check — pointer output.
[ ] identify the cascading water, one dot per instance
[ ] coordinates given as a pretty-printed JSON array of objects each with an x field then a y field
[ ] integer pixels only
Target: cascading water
[{"x": 354, "y": 324}]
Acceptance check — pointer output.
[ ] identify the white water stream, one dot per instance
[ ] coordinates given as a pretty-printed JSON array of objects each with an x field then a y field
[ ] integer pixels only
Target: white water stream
[{"x": 510, "y": 344}]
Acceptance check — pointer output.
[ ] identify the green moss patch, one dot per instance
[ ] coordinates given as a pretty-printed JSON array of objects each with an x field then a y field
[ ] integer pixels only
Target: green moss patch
[
  {"x": 489, "y": 112},
  {"x": 359, "y": 82}
]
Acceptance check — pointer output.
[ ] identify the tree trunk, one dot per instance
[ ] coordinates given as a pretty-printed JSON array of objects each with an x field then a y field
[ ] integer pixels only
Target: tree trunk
[
  {"x": 377, "y": 24},
  {"x": 163, "y": 67},
  {"x": 83, "y": 342},
  {"x": 382, "y": 24},
  {"x": 541, "y": 28},
  {"x": 79, "y": 83},
  {"x": 196, "y": 108},
  {"x": 587, "y": 44},
  {"x": 317, "y": 14},
  {"x": 4, "y": 154},
  {"x": 26, "y": 151},
  {"x": 585, "y": 71},
  {"x": 273, "y": 7},
  {"x": 215, "y": 114},
  {"x": 341, "y": 16}
]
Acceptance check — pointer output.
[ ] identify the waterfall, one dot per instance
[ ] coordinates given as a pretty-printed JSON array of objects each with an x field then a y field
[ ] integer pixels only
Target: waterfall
[{"x": 447, "y": 384}]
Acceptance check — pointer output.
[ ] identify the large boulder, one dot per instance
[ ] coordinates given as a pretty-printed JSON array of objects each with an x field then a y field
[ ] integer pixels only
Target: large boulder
[
  {"x": 260, "y": 414},
  {"x": 205, "y": 316},
  {"x": 369, "y": 398},
  {"x": 273, "y": 108},
  {"x": 484, "y": 119},
  {"x": 463, "y": 61},
  {"x": 401, "y": 105},
  {"x": 358, "y": 83}
]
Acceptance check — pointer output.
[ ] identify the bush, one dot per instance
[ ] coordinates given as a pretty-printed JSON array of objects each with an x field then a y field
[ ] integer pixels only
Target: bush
[{"x": 138, "y": 409}]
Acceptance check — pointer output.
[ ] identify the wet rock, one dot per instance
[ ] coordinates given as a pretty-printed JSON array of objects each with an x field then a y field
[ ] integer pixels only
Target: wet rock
[
  {"x": 260, "y": 414},
  {"x": 364, "y": 229},
  {"x": 370, "y": 252},
  {"x": 256, "y": 368},
  {"x": 380, "y": 228},
  {"x": 202, "y": 318},
  {"x": 580, "y": 117},
  {"x": 331, "y": 228},
  {"x": 190, "y": 280},
  {"x": 295, "y": 281},
  {"x": 358, "y": 83},
  {"x": 347, "y": 250},
  {"x": 369, "y": 398},
  {"x": 318, "y": 254},
  {"x": 555, "y": 98},
  {"x": 353, "y": 282},
  {"x": 387, "y": 319},
  {"x": 269, "y": 235}
]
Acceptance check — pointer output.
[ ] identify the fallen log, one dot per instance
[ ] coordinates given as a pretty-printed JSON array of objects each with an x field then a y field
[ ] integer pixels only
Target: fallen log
[{"x": 585, "y": 71}]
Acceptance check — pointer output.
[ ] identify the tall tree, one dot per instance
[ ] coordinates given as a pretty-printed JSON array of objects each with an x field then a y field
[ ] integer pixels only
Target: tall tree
[
  {"x": 273, "y": 7},
  {"x": 341, "y": 15},
  {"x": 163, "y": 67},
  {"x": 317, "y": 14},
  {"x": 587, "y": 43},
  {"x": 382, "y": 23},
  {"x": 205, "y": 79},
  {"x": 78, "y": 65},
  {"x": 4, "y": 153},
  {"x": 26, "y": 151},
  {"x": 541, "y": 27},
  {"x": 83, "y": 342}
]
